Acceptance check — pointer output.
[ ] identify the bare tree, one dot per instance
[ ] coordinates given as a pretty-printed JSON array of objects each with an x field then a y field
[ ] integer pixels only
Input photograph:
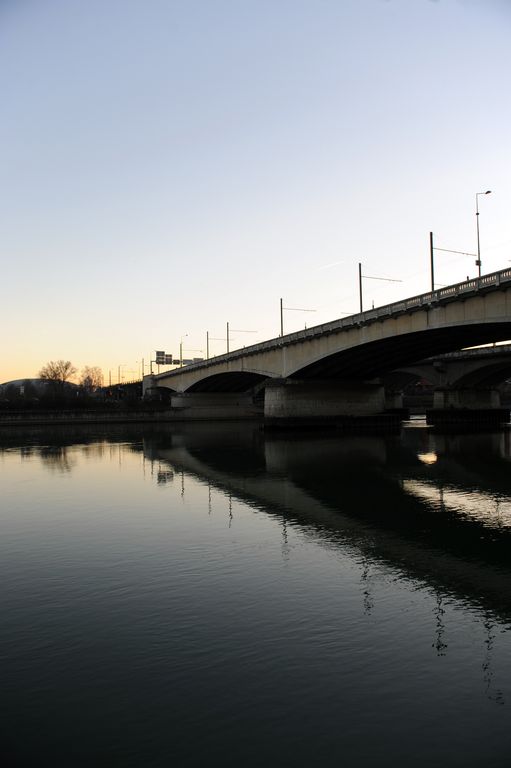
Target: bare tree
[
  {"x": 91, "y": 378},
  {"x": 58, "y": 371}
]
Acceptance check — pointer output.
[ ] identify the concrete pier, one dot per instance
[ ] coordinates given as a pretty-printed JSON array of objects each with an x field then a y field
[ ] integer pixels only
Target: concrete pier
[
  {"x": 309, "y": 400},
  {"x": 469, "y": 398}
]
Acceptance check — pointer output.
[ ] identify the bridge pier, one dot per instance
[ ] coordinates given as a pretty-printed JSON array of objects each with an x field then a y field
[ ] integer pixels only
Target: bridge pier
[
  {"x": 467, "y": 398},
  {"x": 393, "y": 400},
  {"x": 469, "y": 407},
  {"x": 310, "y": 402}
]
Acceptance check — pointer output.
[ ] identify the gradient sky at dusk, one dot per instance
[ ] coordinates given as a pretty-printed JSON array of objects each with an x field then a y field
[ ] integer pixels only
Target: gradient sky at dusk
[{"x": 170, "y": 166}]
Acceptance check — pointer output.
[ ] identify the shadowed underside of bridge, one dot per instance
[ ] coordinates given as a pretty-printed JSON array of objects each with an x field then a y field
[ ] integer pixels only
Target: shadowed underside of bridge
[
  {"x": 480, "y": 367},
  {"x": 487, "y": 376},
  {"x": 367, "y": 361},
  {"x": 235, "y": 381}
]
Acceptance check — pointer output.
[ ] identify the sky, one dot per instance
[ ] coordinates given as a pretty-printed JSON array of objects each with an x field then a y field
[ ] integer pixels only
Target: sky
[{"x": 169, "y": 166}]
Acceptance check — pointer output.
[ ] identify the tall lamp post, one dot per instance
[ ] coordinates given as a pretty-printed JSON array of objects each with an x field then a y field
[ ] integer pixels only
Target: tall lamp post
[{"x": 478, "y": 262}]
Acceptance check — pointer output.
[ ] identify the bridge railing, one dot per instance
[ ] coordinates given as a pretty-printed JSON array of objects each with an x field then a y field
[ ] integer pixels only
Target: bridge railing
[
  {"x": 448, "y": 293},
  {"x": 405, "y": 305}
]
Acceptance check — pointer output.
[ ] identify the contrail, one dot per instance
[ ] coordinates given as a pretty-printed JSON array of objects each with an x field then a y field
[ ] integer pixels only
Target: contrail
[{"x": 333, "y": 264}]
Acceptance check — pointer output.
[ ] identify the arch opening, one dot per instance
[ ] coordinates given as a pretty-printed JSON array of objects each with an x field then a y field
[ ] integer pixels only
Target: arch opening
[
  {"x": 376, "y": 358},
  {"x": 235, "y": 381}
]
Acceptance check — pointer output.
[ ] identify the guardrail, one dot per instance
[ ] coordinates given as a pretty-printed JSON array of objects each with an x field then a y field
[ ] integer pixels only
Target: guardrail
[{"x": 441, "y": 296}]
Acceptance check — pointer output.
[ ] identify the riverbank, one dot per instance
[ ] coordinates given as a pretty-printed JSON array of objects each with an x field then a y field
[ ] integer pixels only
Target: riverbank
[{"x": 126, "y": 416}]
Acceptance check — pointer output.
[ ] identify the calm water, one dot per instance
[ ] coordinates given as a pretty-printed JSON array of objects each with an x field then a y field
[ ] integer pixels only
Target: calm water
[{"x": 212, "y": 595}]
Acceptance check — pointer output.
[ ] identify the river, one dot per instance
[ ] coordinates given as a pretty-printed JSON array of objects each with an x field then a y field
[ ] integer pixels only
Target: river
[{"x": 213, "y": 594}]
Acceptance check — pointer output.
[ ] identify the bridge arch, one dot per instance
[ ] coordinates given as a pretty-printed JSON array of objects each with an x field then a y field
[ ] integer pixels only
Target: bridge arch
[
  {"x": 402, "y": 378},
  {"x": 230, "y": 381},
  {"x": 485, "y": 375},
  {"x": 375, "y": 358},
  {"x": 163, "y": 394}
]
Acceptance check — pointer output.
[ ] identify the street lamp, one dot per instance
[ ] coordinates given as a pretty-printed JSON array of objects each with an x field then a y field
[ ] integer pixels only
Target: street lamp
[{"x": 478, "y": 262}]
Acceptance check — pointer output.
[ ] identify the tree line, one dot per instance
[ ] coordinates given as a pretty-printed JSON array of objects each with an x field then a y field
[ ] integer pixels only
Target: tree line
[
  {"x": 60, "y": 387},
  {"x": 62, "y": 371}
]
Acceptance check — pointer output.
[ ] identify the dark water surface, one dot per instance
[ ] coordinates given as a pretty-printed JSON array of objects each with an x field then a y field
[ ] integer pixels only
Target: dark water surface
[{"x": 215, "y": 595}]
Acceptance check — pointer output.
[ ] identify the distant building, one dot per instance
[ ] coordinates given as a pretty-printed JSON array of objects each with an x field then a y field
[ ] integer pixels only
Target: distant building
[{"x": 31, "y": 388}]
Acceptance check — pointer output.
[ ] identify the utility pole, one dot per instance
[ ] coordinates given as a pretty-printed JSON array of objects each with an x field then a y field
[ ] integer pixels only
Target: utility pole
[
  {"x": 478, "y": 260},
  {"x": 433, "y": 248},
  {"x": 432, "y": 262},
  {"x": 288, "y": 309},
  {"x": 371, "y": 277}
]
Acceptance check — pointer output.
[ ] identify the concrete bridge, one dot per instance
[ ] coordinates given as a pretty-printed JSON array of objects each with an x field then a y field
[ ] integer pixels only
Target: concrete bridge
[
  {"x": 470, "y": 375},
  {"x": 334, "y": 369}
]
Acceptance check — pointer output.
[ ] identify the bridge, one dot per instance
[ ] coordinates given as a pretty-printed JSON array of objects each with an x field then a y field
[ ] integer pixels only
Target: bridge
[
  {"x": 477, "y": 377},
  {"x": 479, "y": 367},
  {"x": 334, "y": 369}
]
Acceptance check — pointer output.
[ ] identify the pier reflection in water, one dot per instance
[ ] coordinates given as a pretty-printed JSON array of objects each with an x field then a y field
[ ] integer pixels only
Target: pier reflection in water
[{"x": 215, "y": 593}]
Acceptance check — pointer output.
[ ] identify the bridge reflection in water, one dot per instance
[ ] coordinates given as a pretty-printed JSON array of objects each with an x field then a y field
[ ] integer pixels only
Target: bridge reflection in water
[
  {"x": 433, "y": 509},
  {"x": 252, "y": 582},
  {"x": 436, "y": 507}
]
